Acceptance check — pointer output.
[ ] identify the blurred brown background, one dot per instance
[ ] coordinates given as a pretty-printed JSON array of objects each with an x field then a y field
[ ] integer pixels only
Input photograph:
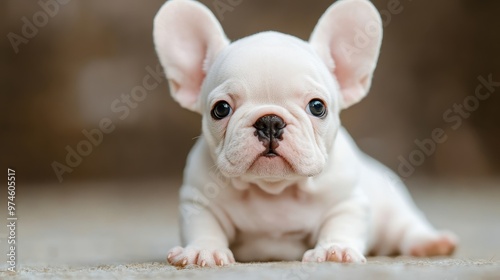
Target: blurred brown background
[{"x": 65, "y": 78}]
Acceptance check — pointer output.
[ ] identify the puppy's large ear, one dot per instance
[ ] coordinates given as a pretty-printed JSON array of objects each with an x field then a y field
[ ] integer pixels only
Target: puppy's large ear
[
  {"x": 348, "y": 38},
  {"x": 187, "y": 38}
]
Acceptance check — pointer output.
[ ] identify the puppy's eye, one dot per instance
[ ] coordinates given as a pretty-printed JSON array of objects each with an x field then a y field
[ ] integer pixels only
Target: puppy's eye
[
  {"x": 221, "y": 110},
  {"x": 316, "y": 108}
]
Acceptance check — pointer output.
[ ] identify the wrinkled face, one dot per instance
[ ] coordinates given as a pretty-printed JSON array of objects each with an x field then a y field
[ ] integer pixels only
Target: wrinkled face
[{"x": 270, "y": 109}]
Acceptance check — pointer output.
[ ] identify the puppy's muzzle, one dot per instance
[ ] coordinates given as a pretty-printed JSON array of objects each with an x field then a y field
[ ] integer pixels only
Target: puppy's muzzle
[{"x": 269, "y": 130}]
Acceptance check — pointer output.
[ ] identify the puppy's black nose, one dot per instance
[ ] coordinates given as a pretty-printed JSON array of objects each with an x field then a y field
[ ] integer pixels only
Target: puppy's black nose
[{"x": 269, "y": 130}]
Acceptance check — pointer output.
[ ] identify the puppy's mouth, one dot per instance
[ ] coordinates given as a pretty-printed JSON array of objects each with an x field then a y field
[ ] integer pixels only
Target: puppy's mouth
[
  {"x": 270, "y": 151},
  {"x": 271, "y": 163},
  {"x": 270, "y": 154}
]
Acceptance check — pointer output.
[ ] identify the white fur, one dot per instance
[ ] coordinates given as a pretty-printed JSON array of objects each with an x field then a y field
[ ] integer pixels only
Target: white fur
[{"x": 321, "y": 199}]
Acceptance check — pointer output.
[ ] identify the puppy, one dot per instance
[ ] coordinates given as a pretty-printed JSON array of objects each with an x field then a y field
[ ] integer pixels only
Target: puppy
[{"x": 274, "y": 175}]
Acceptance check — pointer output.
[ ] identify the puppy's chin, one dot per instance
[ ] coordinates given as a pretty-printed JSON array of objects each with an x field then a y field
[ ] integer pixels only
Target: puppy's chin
[{"x": 271, "y": 167}]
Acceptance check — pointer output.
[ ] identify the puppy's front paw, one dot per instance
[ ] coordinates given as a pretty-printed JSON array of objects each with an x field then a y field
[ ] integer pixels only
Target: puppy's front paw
[
  {"x": 334, "y": 253},
  {"x": 182, "y": 257}
]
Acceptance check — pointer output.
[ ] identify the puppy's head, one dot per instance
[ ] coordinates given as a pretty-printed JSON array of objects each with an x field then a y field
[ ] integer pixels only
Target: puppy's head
[{"x": 270, "y": 102}]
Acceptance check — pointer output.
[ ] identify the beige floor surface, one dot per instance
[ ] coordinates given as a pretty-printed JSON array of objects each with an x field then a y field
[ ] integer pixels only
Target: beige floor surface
[{"x": 123, "y": 230}]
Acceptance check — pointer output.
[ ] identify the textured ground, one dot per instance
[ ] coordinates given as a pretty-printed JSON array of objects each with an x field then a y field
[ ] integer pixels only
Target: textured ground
[{"x": 123, "y": 230}]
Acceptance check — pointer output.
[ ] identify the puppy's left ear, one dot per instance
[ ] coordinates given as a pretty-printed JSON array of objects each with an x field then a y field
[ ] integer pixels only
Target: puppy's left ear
[
  {"x": 348, "y": 38},
  {"x": 187, "y": 38}
]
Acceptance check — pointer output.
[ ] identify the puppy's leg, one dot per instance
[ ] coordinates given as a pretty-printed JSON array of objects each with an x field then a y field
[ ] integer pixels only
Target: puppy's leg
[
  {"x": 342, "y": 237},
  {"x": 410, "y": 229},
  {"x": 205, "y": 242},
  {"x": 420, "y": 239}
]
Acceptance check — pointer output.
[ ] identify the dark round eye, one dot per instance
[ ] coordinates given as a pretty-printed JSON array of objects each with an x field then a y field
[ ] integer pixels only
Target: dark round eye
[
  {"x": 221, "y": 110},
  {"x": 316, "y": 108}
]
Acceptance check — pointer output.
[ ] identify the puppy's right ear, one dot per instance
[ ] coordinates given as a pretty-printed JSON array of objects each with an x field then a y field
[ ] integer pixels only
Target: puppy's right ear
[{"x": 187, "y": 38}]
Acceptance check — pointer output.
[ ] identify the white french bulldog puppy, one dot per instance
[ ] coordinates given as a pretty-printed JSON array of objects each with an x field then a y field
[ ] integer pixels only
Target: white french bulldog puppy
[{"x": 274, "y": 175}]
